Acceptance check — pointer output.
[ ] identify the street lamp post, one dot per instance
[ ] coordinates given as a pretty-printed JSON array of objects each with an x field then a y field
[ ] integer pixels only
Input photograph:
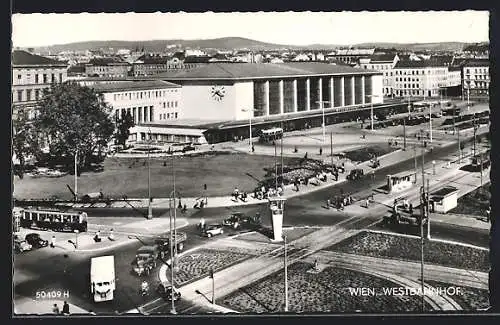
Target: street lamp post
[
  {"x": 430, "y": 123},
  {"x": 322, "y": 104},
  {"x": 371, "y": 109},
  {"x": 76, "y": 175},
  {"x": 150, "y": 208},
  {"x": 251, "y": 110},
  {"x": 173, "y": 235},
  {"x": 286, "y": 274}
]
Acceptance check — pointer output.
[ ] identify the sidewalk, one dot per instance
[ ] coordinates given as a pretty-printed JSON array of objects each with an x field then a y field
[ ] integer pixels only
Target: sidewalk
[{"x": 44, "y": 307}]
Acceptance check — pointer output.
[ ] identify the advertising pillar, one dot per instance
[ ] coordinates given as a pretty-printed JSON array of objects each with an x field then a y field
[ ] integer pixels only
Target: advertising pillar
[{"x": 277, "y": 207}]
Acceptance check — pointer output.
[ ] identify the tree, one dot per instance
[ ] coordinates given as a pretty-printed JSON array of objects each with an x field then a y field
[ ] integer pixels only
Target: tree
[
  {"x": 76, "y": 120},
  {"x": 123, "y": 126},
  {"x": 24, "y": 140}
]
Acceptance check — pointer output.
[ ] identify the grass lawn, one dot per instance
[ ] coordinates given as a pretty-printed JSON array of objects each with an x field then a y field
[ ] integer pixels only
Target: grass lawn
[
  {"x": 197, "y": 264},
  {"x": 327, "y": 291},
  {"x": 474, "y": 203},
  {"x": 366, "y": 153},
  {"x": 406, "y": 248},
  {"x": 222, "y": 172},
  {"x": 470, "y": 299}
]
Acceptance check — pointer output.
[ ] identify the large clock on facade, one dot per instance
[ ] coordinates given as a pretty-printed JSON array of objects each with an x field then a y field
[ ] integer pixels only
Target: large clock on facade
[{"x": 218, "y": 92}]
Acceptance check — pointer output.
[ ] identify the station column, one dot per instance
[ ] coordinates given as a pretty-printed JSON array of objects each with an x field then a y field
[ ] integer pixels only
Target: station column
[
  {"x": 308, "y": 93},
  {"x": 295, "y": 103},
  {"x": 281, "y": 97},
  {"x": 342, "y": 97},
  {"x": 363, "y": 90},
  {"x": 266, "y": 94}
]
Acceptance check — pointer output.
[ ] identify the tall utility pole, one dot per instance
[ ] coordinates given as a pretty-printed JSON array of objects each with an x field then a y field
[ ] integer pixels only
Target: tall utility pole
[
  {"x": 322, "y": 104},
  {"x": 286, "y": 274},
  {"x": 422, "y": 217},
  {"x": 430, "y": 123},
  {"x": 331, "y": 148},
  {"x": 173, "y": 237},
  {"x": 415, "y": 157},
  {"x": 150, "y": 208},
  {"x": 404, "y": 134},
  {"x": 281, "y": 154},
  {"x": 275, "y": 166},
  {"x": 76, "y": 175},
  {"x": 428, "y": 212}
]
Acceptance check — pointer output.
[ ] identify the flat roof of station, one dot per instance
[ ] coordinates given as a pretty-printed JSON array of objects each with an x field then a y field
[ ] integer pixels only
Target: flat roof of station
[
  {"x": 445, "y": 191},
  {"x": 246, "y": 71}
]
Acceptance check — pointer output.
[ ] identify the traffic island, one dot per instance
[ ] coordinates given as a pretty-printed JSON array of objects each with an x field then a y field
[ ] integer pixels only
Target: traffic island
[
  {"x": 470, "y": 299},
  {"x": 405, "y": 247},
  {"x": 198, "y": 263},
  {"x": 332, "y": 290}
]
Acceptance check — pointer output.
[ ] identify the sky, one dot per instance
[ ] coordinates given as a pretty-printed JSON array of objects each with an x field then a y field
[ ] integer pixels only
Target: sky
[{"x": 290, "y": 28}]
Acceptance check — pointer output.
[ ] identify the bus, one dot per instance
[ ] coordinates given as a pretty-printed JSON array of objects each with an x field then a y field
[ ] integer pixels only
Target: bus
[
  {"x": 48, "y": 219},
  {"x": 270, "y": 135}
]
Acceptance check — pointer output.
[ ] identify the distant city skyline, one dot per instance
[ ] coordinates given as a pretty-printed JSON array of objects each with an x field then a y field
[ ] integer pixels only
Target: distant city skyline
[{"x": 288, "y": 28}]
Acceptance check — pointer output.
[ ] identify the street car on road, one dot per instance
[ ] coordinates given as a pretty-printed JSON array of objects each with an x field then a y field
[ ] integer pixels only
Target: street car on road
[
  {"x": 36, "y": 241},
  {"x": 213, "y": 230}
]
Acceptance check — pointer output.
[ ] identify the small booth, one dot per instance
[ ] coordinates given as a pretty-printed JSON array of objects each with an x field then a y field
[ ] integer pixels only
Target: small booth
[
  {"x": 444, "y": 199},
  {"x": 277, "y": 207},
  {"x": 398, "y": 183}
]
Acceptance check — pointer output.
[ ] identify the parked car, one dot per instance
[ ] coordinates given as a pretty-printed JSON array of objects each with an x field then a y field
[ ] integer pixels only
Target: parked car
[
  {"x": 36, "y": 241},
  {"x": 212, "y": 230},
  {"x": 188, "y": 148},
  {"x": 165, "y": 291},
  {"x": 234, "y": 220},
  {"x": 21, "y": 246},
  {"x": 355, "y": 174},
  {"x": 143, "y": 265}
]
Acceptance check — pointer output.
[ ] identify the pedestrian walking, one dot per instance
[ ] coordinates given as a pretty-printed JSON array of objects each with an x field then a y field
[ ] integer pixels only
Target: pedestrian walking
[
  {"x": 253, "y": 148},
  {"x": 111, "y": 236},
  {"x": 305, "y": 156},
  {"x": 367, "y": 203},
  {"x": 55, "y": 309},
  {"x": 65, "y": 309},
  {"x": 328, "y": 203},
  {"x": 179, "y": 206},
  {"x": 205, "y": 187},
  {"x": 488, "y": 214},
  {"x": 53, "y": 242},
  {"x": 320, "y": 151}
]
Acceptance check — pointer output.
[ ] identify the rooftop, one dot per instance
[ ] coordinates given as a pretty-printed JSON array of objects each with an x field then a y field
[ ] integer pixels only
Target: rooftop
[
  {"x": 25, "y": 58},
  {"x": 133, "y": 85},
  {"x": 442, "y": 192},
  {"x": 106, "y": 61},
  {"x": 420, "y": 64},
  {"x": 234, "y": 71},
  {"x": 382, "y": 58}
]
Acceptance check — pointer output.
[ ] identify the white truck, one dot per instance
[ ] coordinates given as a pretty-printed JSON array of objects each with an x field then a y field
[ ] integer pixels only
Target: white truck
[{"x": 102, "y": 278}]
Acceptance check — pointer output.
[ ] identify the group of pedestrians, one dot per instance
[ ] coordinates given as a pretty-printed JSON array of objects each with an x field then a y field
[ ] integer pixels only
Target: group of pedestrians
[{"x": 65, "y": 309}]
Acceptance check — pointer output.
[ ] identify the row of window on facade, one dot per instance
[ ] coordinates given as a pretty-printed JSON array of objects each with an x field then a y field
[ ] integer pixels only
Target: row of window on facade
[
  {"x": 419, "y": 72},
  {"x": 143, "y": 136},
  {"x": 415, "y": 92},
  {"x": 478, "y": 77},
  {"x": 378, "y": 67},
  {"x": 399, "y": 85},
  {"x": 476, "y": 70},
  {"x": 477, "y": 85},
  {"x": 44, "y": 78},
  {"x": 144, "y": 94},
  {"x": 168, "y": 116},
  {"x": 29, "y": 92},
  {"x": 139, "y": 114}
]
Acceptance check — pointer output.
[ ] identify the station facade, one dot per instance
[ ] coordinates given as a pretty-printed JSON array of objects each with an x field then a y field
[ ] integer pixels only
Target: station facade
[{"x": 240, "y": 91}]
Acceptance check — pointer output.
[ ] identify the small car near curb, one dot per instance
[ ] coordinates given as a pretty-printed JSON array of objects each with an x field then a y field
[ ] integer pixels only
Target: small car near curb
[
  {"x": 21, "y": 246},
  {"x": 165, "y": 291},
  {"x": 213, "y": 230},
  {"x": 36, "y": 241}
]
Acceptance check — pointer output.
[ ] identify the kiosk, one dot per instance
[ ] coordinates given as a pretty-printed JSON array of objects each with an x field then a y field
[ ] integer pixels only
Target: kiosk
[{"x": 277, "y": 207}]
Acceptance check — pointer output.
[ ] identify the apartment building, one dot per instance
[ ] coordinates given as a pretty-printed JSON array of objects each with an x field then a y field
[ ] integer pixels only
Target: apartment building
[
  {"x": 383, "y": 63},
  {"x": 31, "y": 74},
  {"x": 476, "y": 77},
  {"x": 106, "y": 67},
  {"x": 419, "y": 78}
]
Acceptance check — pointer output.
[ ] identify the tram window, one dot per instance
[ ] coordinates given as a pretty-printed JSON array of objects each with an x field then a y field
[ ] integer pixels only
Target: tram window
[
  {"x": 27, "y": 215},
  {"x": 39, "y": 216},
  {"x": 57, "y": 218},
  {"x": 67, "y": 219},
  {"x": 74, "y": 219}
]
